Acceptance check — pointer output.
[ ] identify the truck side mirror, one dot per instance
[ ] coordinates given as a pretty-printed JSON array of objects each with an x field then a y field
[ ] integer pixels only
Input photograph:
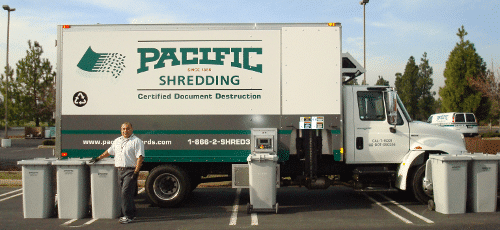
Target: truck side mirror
[{"x": 392, "y": 108}]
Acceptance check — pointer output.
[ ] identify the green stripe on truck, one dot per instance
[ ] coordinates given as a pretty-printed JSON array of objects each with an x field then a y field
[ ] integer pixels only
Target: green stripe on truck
[
  {"x": 174, "y": 155},
  {"x": 117, "y": 132}
]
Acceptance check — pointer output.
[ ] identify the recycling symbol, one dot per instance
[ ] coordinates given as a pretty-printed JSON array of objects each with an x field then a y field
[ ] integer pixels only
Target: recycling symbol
[{"x": 80, "y": 99}]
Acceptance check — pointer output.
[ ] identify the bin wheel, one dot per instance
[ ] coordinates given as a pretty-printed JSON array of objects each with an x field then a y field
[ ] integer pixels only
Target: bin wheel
[
  {"x": 431, "y": 205},
  {"x": 249, "y": 208},
  {"x": 167, "y": 186}
]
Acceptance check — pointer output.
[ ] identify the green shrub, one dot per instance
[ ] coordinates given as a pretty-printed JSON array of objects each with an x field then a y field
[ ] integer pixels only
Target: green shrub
[
  {"x": 49, "y": 142},
  {"x": 490, "y": 134}
]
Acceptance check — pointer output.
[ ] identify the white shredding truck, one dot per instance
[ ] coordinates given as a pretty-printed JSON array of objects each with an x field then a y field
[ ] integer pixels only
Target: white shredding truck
[{"x": 194, "y": 92}]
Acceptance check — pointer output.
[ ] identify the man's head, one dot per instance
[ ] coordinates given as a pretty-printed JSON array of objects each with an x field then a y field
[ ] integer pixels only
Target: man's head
[{"x": 126, "y": 129}]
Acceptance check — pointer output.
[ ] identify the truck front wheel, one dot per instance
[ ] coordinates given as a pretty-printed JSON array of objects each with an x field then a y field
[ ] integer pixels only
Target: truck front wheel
[
  {"x": 167, "y": 186},
  {"x": 417, "y": 185}
]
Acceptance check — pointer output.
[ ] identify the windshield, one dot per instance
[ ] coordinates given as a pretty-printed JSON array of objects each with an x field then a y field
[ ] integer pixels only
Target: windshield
[{"x": 403, "y": 109}]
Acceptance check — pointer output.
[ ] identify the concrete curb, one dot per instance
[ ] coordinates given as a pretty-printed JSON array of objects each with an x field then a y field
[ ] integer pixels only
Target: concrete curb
[
  {"x": 140, "y": 183},
  {"x": 10, "y": 182}
]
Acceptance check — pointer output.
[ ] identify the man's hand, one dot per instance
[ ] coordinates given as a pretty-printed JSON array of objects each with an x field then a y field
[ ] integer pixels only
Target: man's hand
[
  {"x": 98, "y": 158},
  {"x": 94, "y": 160}
]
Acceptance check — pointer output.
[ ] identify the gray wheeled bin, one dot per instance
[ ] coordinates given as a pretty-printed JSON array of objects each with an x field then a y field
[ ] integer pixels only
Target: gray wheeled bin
[
  {"x": 483, "y": 179},
  {"x": 73, "y": 191},
  {"x": 38, "y": 187},
  {"x": 449, "y": 177},
  {"x": 262, "y": 182},
  {"x": 104, "y": 190}
]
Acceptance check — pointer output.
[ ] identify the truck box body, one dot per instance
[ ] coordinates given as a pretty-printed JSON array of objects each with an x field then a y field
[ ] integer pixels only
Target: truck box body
[{"x": 193, "y": 92}]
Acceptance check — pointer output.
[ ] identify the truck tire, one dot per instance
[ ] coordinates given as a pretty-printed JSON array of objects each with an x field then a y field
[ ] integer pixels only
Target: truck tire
[
  {"x": 167, "y": 186},
  {"x": 417, "y": 185}
]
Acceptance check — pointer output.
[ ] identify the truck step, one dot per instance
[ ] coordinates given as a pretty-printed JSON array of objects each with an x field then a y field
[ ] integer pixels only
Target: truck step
[
  {"x": 379, "y": 171},
  {"x": 376, "y": 189}
]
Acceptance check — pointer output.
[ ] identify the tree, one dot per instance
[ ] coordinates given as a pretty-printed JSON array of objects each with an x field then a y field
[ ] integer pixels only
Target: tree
[
  {"x": 352, "y": 82},
  {"x": 464, "y": 63},
  {"x": 405, "y": 85},
  {"x": 426, "y": 101},
  {"x": 11, "y": 113},
  {"x": 35, "y": 96},
  {"x": 382, "y": 81},
  {"x": 489, "y": 85},
  {"x": 437, "y": 105},
  {"x": 414, "y": 88}
]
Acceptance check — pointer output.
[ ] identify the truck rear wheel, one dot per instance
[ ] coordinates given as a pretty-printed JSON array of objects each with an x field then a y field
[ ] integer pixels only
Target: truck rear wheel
[
  {"x": 167, "y": 186},
  {"x": 417, "y": 186}
]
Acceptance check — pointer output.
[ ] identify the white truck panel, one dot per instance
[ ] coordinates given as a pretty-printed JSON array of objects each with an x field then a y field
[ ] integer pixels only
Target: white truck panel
[
  {"x": 115, "y": 92},
  {"x": 349, "y": 139},
  {"x": 311, "y": 70}
]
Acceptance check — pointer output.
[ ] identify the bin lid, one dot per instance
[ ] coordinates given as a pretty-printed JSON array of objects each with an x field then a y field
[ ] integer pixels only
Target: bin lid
[
  {"x": 486, "y": 157},
  {"x": 37, "y": 161},
  {"x": 47, "y": 159},
  {"x": 71, "y": 161},
  {"x": 448, "y": 157},
  {"x": 105, "y": 161}
]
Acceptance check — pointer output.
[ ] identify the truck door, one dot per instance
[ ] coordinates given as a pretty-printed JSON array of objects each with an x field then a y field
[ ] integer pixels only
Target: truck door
[{"x": 374, "y": 141}]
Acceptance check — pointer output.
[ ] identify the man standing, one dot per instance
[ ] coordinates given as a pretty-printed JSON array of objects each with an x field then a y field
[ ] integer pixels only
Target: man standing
[{"x": 129, "y": 154}]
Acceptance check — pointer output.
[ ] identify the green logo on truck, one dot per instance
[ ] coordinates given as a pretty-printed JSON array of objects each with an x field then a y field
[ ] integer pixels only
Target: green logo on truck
[
  {"x": 195, "y": 56},
  {"x": 112, "y": 63}
]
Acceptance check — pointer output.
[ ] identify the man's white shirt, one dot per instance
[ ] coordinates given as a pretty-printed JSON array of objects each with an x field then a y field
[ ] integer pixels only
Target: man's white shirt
[{"x": 126, "y": 151}]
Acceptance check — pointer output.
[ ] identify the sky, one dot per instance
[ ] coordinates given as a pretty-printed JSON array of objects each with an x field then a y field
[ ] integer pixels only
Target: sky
[{"x": 395, "y": 29}]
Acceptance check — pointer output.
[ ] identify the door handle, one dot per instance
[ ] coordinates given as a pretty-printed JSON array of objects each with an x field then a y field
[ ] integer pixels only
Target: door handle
[{"x": 359, "y": 143}]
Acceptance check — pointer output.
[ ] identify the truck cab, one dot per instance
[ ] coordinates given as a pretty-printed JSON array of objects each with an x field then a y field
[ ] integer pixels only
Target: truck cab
[{"x": 382, "y": 134}]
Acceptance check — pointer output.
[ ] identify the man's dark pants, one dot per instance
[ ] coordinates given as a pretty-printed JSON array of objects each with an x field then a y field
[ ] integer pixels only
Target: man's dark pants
[{"x": 128, "y": 188}]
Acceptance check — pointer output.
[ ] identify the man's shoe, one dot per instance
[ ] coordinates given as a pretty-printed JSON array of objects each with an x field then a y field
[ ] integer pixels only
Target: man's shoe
[{"x": 126, "y": 220}]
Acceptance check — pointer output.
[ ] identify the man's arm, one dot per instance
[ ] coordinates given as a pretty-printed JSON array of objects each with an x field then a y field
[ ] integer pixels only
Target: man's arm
[
  {"x": 138, "y": 165},
  {"x": 103, "y": 155},
  {"x": 139, "y": 151}
]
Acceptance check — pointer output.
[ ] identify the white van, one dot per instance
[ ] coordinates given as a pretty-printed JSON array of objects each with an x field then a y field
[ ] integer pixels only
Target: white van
[{"x": 463, "y": 122}]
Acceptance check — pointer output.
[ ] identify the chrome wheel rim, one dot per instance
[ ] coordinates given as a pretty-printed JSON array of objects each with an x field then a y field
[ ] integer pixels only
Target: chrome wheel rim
[{"x": 166, "y": 186}]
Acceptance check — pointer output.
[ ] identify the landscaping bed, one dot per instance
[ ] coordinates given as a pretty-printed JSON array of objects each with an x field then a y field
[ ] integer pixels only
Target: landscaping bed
[{"x": 483, "y": 145}]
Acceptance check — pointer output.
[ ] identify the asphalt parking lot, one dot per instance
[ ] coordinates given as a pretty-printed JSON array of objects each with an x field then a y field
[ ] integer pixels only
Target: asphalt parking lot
[
  {"x": 22, "y": 149},
  {"x": 299, "y": 208},
  {"x": 225, "y": 208}
]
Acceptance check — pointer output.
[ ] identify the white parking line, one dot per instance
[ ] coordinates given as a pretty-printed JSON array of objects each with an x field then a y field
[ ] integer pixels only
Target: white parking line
[
  {"x": 85, "y": 224},
  {"x": 11, "y": 197},
  {"x": 408, "y": 210},
  {"x": 255, "y": 220},
  {"x": 69, "y": 222},
  {"x": 90, "y": 221},
  {"x": 388, "y": 210},
  {"x": 5, "y": 194},
  {"x": 234, "y": 215}
]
